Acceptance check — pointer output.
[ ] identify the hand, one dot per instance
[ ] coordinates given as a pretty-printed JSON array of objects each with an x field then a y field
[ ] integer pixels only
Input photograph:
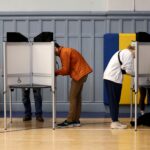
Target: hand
[{"x": 56, "y": 74}]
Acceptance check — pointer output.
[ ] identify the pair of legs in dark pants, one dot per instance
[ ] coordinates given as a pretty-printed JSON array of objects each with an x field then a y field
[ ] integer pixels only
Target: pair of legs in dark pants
[
  {"x": 143, "y": 92},
  {"x": 114, "y": 93},
  {"x": 27, "y": 102},
  {"x": 75, "y": 99}
]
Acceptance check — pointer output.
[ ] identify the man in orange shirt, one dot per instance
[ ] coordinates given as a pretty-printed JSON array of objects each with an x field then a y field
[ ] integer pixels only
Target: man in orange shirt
[{"x": 73, "y": 64}]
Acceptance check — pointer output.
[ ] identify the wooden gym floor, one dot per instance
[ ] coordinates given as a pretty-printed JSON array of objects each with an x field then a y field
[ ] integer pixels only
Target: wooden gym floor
[{"x": 94, "y": 134}]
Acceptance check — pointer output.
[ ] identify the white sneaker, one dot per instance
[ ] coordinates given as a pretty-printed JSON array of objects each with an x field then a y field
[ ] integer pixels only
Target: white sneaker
[
  {"x": 76, "y": 124},
  {"x": 118, "y": 125},
  {"x": 142, "y": 112}
]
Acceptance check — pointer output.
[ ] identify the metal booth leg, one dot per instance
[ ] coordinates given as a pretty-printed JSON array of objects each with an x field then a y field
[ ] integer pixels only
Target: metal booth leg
[
  {"x": 5, "y": 112},
  {"x": 131, "y": 104},
  {"x": 10, "y": 104},
  {"x": 53, "y": 110},
  {"x": 136, "y": 97}
]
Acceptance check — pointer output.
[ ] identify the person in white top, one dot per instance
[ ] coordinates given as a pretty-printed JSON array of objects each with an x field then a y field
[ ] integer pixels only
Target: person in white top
[{"x": 122, "y": 62}]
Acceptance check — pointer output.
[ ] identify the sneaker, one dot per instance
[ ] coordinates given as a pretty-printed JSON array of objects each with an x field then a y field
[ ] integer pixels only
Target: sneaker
[
  {"x": 40, "y": 119},
  {"x": 76, "y": 124},
  {"x": 118, "y": 125},
  {"x": 27, "y": 118},
  {"x": 65, "y": 124},
  {"x": 142, "y": 112}
]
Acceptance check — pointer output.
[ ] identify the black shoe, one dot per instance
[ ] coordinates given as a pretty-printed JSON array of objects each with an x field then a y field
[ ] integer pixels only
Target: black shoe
[
  {"x": 27, "y": 118},
  {"x": 65, "y": 124},
  {"x": 132, "y": 123},
  {"x": 40, "y": 119}
]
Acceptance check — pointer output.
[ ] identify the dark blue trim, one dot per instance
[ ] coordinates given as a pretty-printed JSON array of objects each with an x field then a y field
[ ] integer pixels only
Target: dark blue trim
[{"x": 64, "y": 114}]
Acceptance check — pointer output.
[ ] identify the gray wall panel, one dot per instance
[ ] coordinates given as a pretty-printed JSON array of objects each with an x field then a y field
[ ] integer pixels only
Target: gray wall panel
[
  {"x": 88, "y": 53},
  {"x": 128, "y": 26},
  {"x": 1, "y": 30},
  {"x": 61, "y": 40},
  {"x": 34, "y": 28},
  {"x": 74, "y": 42},
  {"x": 62, "y": 89},
  {"x": 8, "y": 26},
  {"x": 148, "y": 26},
  {"x": 114, "y": 26},
  {"x": 83, "y": 32},
  {"x": 99, "y": 28},
  {"x": 140, "y": 25},
  {"x": 47, "y": 25},
  {"x": 73, "y": 28},
  {"x": 22, "y": 26},
  {"x": 98, "y": 72},
  {"x": 46, "y": 95},
  {"x": 86, "y": 27},
  {"x": 60, "y": 28}
]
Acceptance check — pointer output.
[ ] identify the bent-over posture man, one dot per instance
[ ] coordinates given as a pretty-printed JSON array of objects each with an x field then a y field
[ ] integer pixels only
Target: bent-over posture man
[{"x": 74, "y": 65}]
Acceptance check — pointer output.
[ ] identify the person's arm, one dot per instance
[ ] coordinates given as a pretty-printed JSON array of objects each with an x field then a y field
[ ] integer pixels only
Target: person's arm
[
  {"x": 128, "y": 64},
  {"x": 65, "y": 61}
]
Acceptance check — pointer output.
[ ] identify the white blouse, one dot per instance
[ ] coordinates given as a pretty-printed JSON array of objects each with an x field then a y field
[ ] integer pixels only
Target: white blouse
[{"x": 113, "y": 69}]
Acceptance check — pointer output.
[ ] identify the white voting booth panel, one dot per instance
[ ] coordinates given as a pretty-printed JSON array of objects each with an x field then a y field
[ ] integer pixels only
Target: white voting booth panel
[
  {"x": 18, "y": 60},
  {"x": 142, "y": 70},
  {"x": 29, "y": 64},
  {"x": 43, "y": 64},
  {"x": 144, "y": 63}
]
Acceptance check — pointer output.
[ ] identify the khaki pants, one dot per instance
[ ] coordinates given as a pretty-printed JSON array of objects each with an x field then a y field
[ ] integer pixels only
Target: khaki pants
[{"x": 75, "y": 99}]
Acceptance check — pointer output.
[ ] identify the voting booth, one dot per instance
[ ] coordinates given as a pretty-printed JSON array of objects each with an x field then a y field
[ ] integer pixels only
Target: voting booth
[
  {"x": 141, "y": 41},
  {"x": 28, "y": 65}
]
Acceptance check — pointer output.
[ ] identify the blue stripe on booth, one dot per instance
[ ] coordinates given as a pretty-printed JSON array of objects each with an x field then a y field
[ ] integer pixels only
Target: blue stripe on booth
[{"x": 111, "y": 45}]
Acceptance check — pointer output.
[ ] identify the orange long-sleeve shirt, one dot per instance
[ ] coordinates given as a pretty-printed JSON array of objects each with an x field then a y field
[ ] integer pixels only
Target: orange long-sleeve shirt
[{"x": 73, "y": 64}]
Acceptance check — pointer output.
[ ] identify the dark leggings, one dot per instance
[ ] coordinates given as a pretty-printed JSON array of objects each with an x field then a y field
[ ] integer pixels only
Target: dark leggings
[
  {"x": 114, "y": 93},
  {"x": 143, "y": 92}
]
